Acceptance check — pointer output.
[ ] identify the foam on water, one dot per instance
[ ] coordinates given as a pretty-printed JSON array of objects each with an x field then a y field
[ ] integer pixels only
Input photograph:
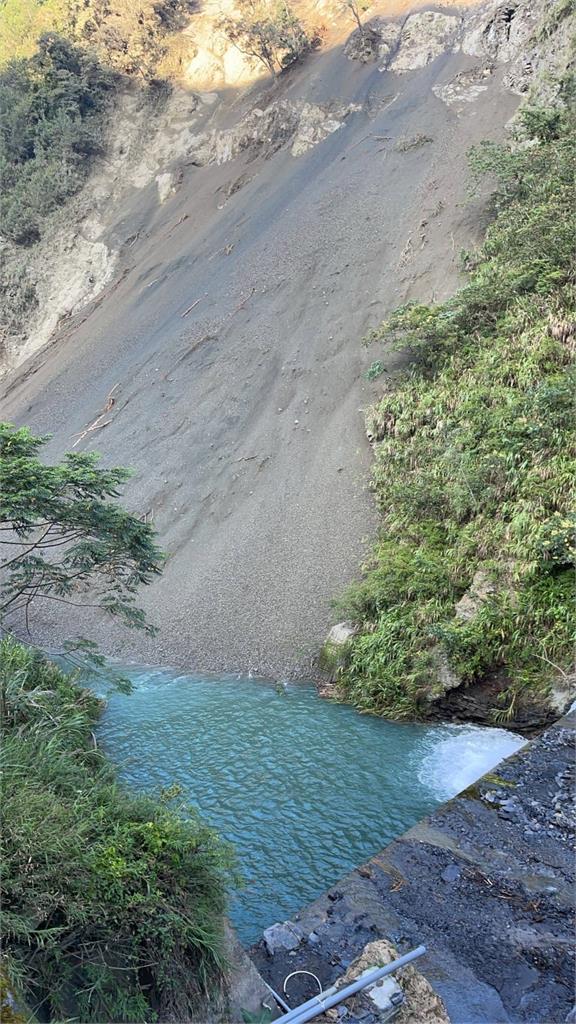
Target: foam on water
[
  {"x": 461, "y": 754},
  {"x": 304, "y": 789}
]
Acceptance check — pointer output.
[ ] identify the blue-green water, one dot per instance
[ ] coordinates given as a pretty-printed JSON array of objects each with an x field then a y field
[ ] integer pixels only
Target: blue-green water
[{"x": 305, "y": 789}]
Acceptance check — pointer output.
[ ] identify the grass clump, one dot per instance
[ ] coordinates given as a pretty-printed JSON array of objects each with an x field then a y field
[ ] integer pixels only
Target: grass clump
[
  {"x": 474, "y": 456},
  {"x": 112, "y": 904}
]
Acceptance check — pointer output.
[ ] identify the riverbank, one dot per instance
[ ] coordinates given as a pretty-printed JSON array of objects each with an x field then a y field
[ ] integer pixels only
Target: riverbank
[
  {"x": 113, "y": 903},
  {"x": 471, "y": 580},
  {"x": 485, "y": 882}
]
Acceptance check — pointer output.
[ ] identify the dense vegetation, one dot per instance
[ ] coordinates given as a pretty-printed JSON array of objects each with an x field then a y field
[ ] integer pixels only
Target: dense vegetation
[
  {"x": 112, "y": 905},
  {"x": 61, "y": 63},
  {"x": 475, "y": 456},
  {"x": 51, "y": 107}
]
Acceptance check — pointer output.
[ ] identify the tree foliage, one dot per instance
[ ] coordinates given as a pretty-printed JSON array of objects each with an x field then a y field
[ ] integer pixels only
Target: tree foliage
[
  {"x": 268, "y": 32},
  {"x": 112, "y": 905},
  {"x": 130, "y": 36},
  {"x": 61, "y": 64},
  {"x": 64, "y": 537},
  {"x": 356, "y": 8},
  {"x": 50, "y": 110},
  {"x": 475, "y": 454}
]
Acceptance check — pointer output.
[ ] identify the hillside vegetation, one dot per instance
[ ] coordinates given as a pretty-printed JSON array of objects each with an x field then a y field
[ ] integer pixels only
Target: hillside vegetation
[
  {"x": 131, "y": 36},
  {"x": 475, "y": 457},
  {"x": 112, "y": 904},
  {"x": 51, "y": 107},
  {"x": 61, "y": 66}
]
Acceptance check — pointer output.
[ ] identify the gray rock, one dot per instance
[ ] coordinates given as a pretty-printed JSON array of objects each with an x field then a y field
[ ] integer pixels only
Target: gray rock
[
  {"x": 425, "y": 35},
  {"x": 377, "y": 41},
  {"x": 341, "y": 633},
  {"x": 451, "y": 873},
  {"x": 479, "y": 591},
  {"x": 333, "y": 652},
  {"x": 443, "y": 678},
  {"x": 264, "y": 131},
  {"x": 282, "y": 937}
]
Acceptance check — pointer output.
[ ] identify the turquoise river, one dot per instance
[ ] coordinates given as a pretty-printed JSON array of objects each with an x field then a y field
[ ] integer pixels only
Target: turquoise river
[{"x": 304, "y": 788}]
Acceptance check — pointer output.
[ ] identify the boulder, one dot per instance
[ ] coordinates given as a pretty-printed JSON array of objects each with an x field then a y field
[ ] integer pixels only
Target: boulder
[
  {"x": 443, "y": 678},
  {"x": 165, "y": 185},
  {"x": 465, "y": 87},
  {"x": 481, "y": 588},
  {"x": 424, "y": 36},
  {"x": 315, "y": 124},
  {"x": 377, "y": 41},
  {"x": 282, "y": 937},
  {"x": 332, "y": 656},
  {"x": 341, "y": 633}
]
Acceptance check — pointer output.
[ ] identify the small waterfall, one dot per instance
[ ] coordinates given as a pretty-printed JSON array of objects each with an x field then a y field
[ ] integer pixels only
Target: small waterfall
[{"x": 460, "y": 754}]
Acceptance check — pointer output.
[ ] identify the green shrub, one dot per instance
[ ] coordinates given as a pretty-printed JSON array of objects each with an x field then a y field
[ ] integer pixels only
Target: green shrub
[
  {"x": 475, "y": 454},
  {"x": 51, "y": 108},
  {"x": 112, "y": 905},
  {"x": 267, "y": 32}
]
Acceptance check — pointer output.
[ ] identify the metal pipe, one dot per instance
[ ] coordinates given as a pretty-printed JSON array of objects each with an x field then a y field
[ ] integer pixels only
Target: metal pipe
[
  {"x": 278, "y": 998},
  {"x": 326, "y": 1000},
  {"x": 323, "y": 995},
  {"x": 289, "y": 1017}
]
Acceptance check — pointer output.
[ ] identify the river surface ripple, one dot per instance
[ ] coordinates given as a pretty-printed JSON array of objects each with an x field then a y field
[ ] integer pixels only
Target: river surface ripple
[{"x": 305, "y": 789}]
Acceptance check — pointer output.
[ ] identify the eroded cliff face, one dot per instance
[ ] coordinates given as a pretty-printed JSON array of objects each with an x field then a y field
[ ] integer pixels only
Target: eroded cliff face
[{"x": 216, "y": 112}]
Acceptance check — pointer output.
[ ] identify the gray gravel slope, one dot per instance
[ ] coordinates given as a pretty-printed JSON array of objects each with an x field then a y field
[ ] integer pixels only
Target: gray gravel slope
[{"x": 242, "y": 420}]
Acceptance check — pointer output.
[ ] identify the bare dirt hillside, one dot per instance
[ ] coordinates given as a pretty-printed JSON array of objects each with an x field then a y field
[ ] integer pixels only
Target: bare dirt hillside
[{"x": 229, "y": 335}]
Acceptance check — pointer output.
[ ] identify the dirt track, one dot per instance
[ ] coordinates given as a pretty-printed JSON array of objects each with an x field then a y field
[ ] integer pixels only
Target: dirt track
[{"x": 242, "y": 419}]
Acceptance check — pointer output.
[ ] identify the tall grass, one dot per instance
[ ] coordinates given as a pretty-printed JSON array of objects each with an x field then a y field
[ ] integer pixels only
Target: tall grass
[{"x": 112, "y": 905}]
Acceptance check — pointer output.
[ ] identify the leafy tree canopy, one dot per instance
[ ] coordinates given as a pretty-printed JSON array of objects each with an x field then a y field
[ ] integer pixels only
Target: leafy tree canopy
[
  {"x": 50, "y": 107},
  {"x": 64, "y": 537},
  {"x": 267, "y": 31}
]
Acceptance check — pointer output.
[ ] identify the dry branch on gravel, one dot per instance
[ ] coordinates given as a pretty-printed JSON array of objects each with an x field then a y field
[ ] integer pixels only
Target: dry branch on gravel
[{"x": 99, "y": 423}]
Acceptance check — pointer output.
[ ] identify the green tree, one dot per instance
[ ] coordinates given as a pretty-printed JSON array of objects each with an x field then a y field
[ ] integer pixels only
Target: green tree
[
  {"x": 51, "y": 109},
  {"x": 64, "y": 537},
  {"x": 356, "y": 8},
  {"x": 267, "y": 31}
]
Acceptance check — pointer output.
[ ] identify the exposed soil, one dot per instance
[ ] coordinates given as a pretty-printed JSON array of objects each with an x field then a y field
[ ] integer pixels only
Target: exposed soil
[{"x": 232, "y": 333}]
